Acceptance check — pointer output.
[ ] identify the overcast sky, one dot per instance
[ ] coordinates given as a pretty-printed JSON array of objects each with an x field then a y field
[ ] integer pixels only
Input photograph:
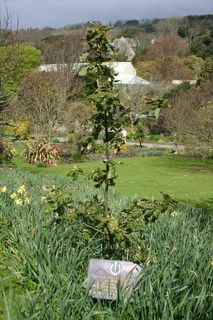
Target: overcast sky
[{"x": 58, "y": 13}]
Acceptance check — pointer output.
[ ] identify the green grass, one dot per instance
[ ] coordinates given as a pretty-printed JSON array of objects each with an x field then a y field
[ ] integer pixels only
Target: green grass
[
  {"x": 186, "y": 179},
  {"x": 43, "y": 271},
  {"x": 11, "y": 291}
]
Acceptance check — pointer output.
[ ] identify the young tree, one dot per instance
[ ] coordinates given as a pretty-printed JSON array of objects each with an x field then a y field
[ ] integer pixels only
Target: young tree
[
  {"x": 102, "y": 94},
  {"x": 140, "y": 132}
]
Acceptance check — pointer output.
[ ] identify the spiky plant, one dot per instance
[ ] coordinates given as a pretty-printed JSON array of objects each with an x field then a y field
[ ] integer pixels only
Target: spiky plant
[{"x": 42, "y": 152}]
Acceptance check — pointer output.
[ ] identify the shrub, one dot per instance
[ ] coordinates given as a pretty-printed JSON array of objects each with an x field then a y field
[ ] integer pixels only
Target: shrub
[
  {"x": 22, "y": 130},
  {"x": 197, "y": 152},
  {"x": 16, "y": 61},
  {"x": 206, "y": 74},
  {"x": 123, "y": 149},
  {"x": 146, "y": 69},
  {"x": 40, "y": 151},
  {"x": 156, "y": 152},
  {"x": 195, "y": 64},
  {"x": 7, "y": 152},
  {"x": 99, "y": 148},
  {"x": 121, "y": 235}
]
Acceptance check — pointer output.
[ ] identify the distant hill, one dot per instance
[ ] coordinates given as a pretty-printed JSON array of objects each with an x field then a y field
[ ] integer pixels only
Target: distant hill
[{"x": 197, "y": 30}]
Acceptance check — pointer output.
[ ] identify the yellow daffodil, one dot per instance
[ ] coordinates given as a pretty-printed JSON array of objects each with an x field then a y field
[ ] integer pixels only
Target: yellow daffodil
[
  {"x": 3, "y": 189},
  {"x": 21, "y": 189},
  {"x": 18, "y": 202},
  {"x": 13, "y": 196},
  {"x": 174, "y": 214},
  {"x": 27, "y": 200}
]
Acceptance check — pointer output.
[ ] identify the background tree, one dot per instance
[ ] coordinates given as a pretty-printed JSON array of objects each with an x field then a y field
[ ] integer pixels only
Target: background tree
[
  {"x": 16, "y": 61},
  {"x": 168, "y": 52},
  {"x": 168, "y": 25},
  {"x": 65, "y": 48},
  {"x": 144, "y": 105},
  {"x": 197, "y": 30},
  {"x": 195, "y": 64},
  {"x": 9, "y": 27},
  {"x": 188, "y": 29},
  {"x": 206, "y": 73},
  {"x": 140, "y": 132},
  {"x": 8, "y": 36},
  {"x": 190, "y": 118},
  {"x": 41, "y": 100},
  {"x": 132, "y": 99},
  {"x": 146, "y": 69}
]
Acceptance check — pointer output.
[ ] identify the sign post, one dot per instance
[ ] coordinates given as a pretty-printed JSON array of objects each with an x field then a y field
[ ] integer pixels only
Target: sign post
[{"x": 106, "y": 276}]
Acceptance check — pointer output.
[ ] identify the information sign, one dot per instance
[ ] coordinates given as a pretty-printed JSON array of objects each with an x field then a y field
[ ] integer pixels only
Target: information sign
[{"x": 106, "y": 276}]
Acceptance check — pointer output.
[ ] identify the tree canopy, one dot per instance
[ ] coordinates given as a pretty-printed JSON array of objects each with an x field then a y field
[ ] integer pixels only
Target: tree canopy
[{"x": 16, "y": 61}]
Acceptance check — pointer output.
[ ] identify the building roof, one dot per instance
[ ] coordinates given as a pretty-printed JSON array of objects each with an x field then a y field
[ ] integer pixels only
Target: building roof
[{"x": 125, "y": 72}]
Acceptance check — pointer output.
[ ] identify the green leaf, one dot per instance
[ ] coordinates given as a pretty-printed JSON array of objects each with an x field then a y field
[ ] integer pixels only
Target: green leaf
[
  {"x": 84, "y": 56},
  {"x": 83, "y": 71}
]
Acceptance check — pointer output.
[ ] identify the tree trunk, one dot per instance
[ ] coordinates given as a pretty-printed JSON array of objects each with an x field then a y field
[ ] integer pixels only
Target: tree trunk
[{"x": 106, "y": 190}]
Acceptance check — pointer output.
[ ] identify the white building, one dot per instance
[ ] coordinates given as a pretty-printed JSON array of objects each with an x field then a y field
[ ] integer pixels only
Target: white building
[{"x": 125, "y": 72}]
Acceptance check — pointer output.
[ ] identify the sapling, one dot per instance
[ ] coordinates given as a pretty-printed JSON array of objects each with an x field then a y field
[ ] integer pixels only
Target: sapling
[
  {"x": 101, "y": 92},
  {"x": 104, "y": 96}
]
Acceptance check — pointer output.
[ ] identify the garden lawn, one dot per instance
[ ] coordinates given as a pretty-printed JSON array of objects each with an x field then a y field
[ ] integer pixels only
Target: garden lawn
[{"x": 187, "y": 179}]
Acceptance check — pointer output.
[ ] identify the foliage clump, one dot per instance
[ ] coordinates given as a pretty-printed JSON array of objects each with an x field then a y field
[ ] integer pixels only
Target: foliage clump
[
  {"x": 16, "y": 61},
  {"x": 122, "y": 235},
  {"x": 22, "y": 130},
  {"x": 42, "y": 152},
  {"x": 7, "y": 152}
]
